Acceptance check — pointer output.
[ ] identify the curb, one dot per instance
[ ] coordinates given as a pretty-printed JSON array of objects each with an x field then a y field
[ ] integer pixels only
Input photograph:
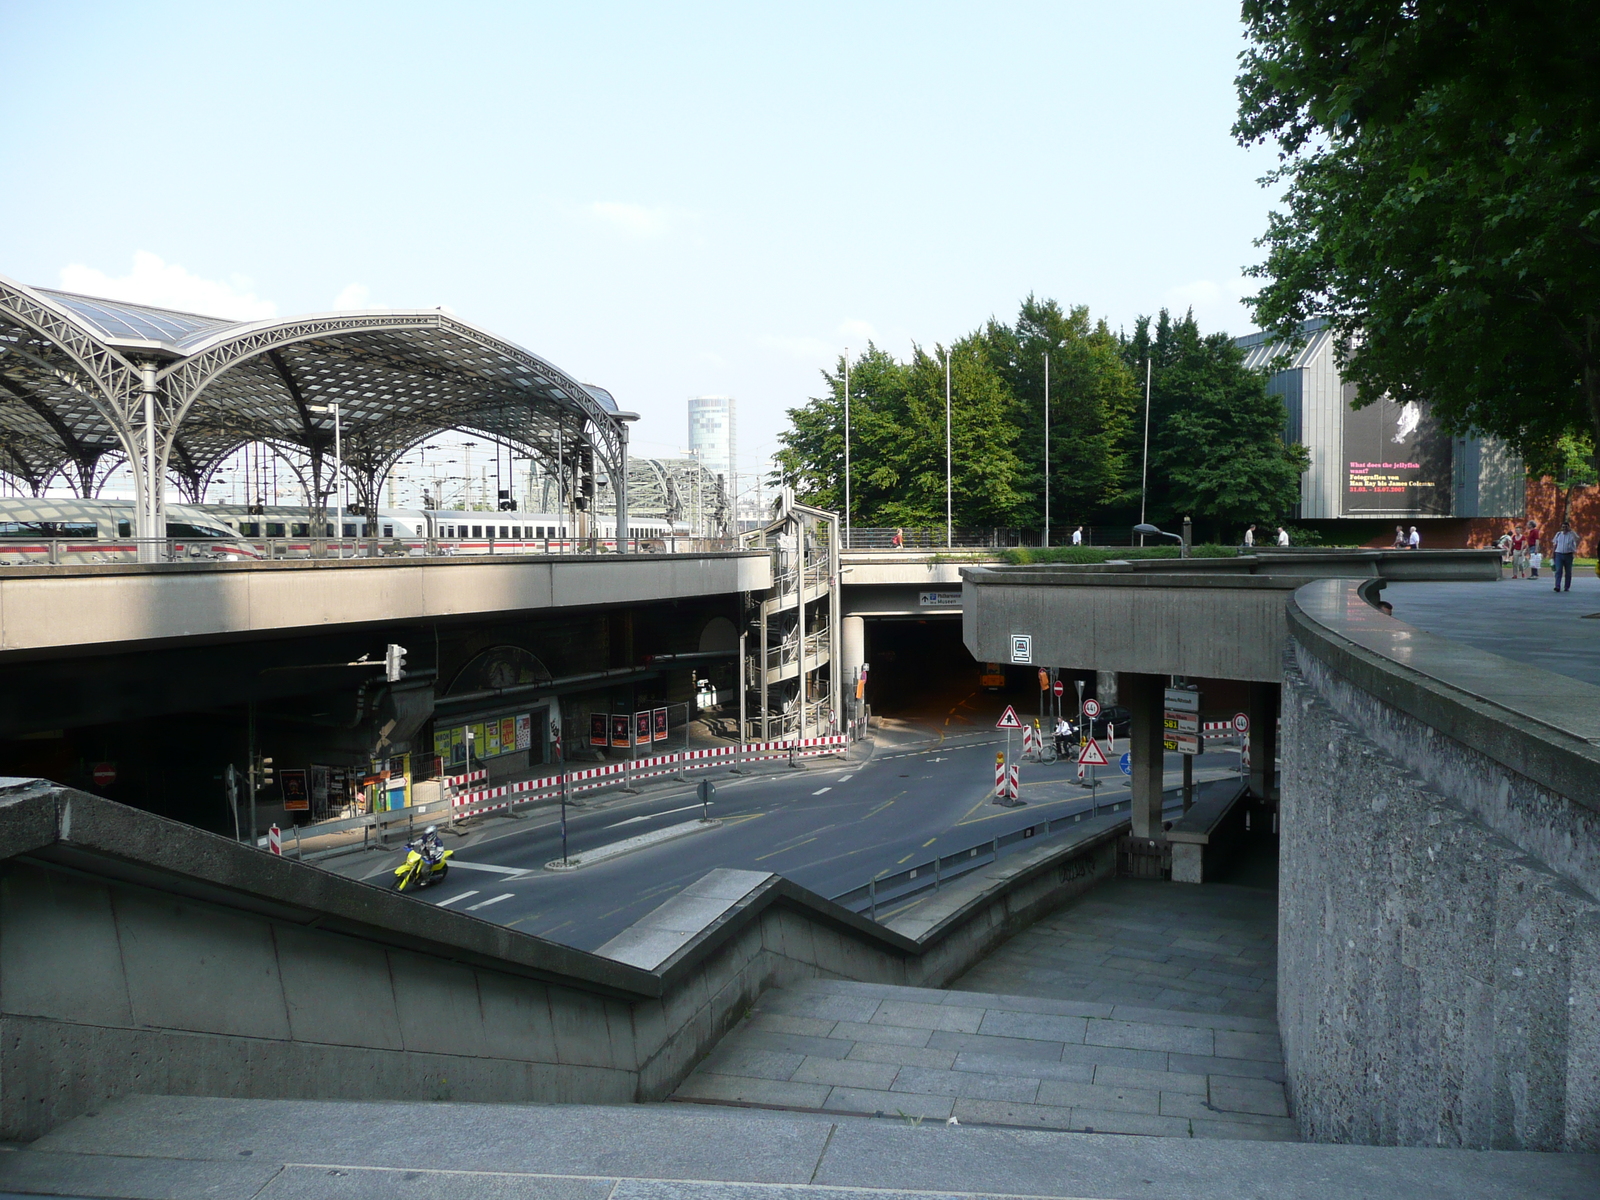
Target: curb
[{"x": 643, "y": 841}]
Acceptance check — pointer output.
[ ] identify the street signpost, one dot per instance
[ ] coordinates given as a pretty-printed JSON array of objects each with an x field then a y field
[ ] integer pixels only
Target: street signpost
[
  {"x": 1091, "y": 756},
  {"x": 1241, "y": 725},
  {"x": 1126, "y": 763},
  {"x": 1008, "y": 721},
  {"x": 1180, "y": 731},
  {"x": 1059, "y": 688}
]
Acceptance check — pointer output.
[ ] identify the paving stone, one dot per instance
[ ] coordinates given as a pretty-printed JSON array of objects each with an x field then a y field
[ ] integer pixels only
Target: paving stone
[
  {"x": 1028, "y": 1004},
  {"x": 1000, "y": 1112},
  {"x": 1106, "y": 1121},
  {"x": 820, "y": 1005},
  {"x": 910, "y": 1104},
  {"x": 1089, "y": 1095},
  {"x": 1161, "y": 1081},
  {"x": 1041, "y": 1027},
  {"x": 1135, "y": 1012},
  {"x": 906, "y": 1056},
  {"x": 1138, "y": 1035},
  {"x": 1178, "y": 1104},
  {"x": 733, "y": 1057},
  {"x": 794, "y": 1043},
  {"x": 846, "y": 1072},
  {"x": 929, "y": 1016},
  {"x": 996, "y": 1064},
  {"x": 1248, "y": 1096},
  {"x": 771, "y": 1022},
  {"x": 1116, "y": 1056},
  {"x": 1263, "y": 1047},
  {"x": 981, "y": 1085},
  {"x": 889, "y": 1035},
  {"x": 705, "y": 1086},
  {"x": 1010, "y": 1047},
  {"x": 1240, "y": 1068},
  {"x": 1279, "y": 1131}
]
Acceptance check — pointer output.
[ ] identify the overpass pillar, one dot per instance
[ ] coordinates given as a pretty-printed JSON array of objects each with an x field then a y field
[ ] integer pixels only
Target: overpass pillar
[
  {"x": 1264, "y": 700},
  {"x": 852, "y": 651},
  {"x": 1142, "y": 695}
]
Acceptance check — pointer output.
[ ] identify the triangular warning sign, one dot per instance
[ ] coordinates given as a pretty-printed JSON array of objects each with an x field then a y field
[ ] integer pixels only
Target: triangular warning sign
[
  {"x": 1091, "y": 755},
  {"x": 1008, "y": 719}
]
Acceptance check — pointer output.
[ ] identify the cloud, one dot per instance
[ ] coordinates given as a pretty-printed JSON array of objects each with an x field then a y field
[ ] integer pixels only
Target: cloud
[
  {"x": 355, "y": 295},
  {"x": 800, "y": 347},
  {"x": 633, "y": 219},
  {"x": 167, "y": 285}
]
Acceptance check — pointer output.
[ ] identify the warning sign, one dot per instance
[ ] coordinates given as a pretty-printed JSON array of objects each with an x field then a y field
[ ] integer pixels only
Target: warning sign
[
  {"x": 1008, "y": 719},
  {"x": 1091, "y": 755}
]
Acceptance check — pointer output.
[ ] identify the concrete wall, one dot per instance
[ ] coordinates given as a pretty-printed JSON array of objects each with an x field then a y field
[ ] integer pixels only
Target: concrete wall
[
  {"x": 141, "y": 955},
  {"x": 45, "y": 609},
  {"x": 1439, "y": 936}
]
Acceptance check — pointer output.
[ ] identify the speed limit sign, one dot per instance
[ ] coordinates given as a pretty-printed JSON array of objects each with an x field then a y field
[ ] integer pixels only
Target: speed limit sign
[
  {"x": 1241, "y": 723},
  {"x": 1091, "y": 707}
]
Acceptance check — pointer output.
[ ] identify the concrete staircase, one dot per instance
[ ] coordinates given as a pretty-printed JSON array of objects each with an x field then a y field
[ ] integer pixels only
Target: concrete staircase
[{"x": 187, "y": 1148}]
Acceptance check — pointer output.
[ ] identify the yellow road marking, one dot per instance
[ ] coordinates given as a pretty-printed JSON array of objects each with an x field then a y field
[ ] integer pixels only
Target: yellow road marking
[
  {"x": 903, "y": 859},
  {"x": 785, "y": 849},
  {"x": 929, "y": 842}
]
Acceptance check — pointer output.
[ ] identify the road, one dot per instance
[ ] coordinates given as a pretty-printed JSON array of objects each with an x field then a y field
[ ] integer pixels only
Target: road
[{"x": 830, "y": 827}]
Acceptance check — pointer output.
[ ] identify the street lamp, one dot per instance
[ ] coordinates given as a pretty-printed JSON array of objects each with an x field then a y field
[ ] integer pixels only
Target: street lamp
[
  {"x": 338, "y": 469},
  {"x": 846, "y": 448},
  {"x": 949, "y": 521},
  {"x": 1151, "y": 531}
]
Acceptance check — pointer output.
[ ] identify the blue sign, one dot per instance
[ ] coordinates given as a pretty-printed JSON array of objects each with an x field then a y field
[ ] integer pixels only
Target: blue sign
[{"x": 1126, "y": 763}]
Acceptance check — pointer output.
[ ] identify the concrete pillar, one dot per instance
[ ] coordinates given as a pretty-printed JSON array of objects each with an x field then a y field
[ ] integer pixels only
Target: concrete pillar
[
  {"x": 1142, "y": 696},
  {"x": 853, "y": 632},
  {"x": 1264, "y": 699}
]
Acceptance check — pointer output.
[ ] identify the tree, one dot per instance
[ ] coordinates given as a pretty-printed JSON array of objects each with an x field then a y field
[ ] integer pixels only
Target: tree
[
  {"x": 1217, "y": 449},
  {"x": 1443, "y": 203},
  {"x": 1568, "y": 462}
]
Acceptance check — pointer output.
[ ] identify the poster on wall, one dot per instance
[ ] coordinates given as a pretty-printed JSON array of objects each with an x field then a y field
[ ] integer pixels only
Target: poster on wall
[
  {"x": 597, "y": 729},
  {"x": 1398, "y": 461},
  {"x": 296, "y": 795},
  {"x": 641, "y": 728},
  {"x": 619, "y": 731},
  {"x": 661, "y": 724},
  {"x": 524, "y": 733}
]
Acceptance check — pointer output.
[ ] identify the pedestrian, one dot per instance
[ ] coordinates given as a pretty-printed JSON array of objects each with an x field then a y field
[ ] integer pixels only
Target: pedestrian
[
  {"x": 1063, "y": 735},
  {"x": 1399, "y": 537},
  {"x": 1505, "y": 548},
  {"x": 1414, "y": 542},
  {"x": 1563, "y": 549},
  {"x": 1535, "y": 558},
  {"x": 1283, "y": 536},
  {"x": 1519, "y": 554},
  {"x": 1077, "y": 536},
  {"x": 1250, "y": 535},
  {"x": 899, "y": 538}
]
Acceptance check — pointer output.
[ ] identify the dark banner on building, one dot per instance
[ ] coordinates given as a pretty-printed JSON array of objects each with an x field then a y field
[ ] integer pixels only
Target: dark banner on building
[
  {"x": 598, "y": 734},
  {"x": 1397, "y": 460},
  {"x": 620, "y": 730}
]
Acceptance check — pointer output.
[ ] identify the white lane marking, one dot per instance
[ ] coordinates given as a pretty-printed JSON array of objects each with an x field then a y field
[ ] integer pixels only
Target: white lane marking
[
  {"x": 491, "y": 900},
  {"x": 819, "y": 791},
  {"x": 453, "y": 899},
  {"x": 846, "y": 778},
  {"x": 472, "y": 866},
  {"x": 653, "y": 816}
]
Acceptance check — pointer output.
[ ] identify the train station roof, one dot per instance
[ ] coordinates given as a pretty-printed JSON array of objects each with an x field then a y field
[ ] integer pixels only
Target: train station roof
[{"x": 74, "y": 371}]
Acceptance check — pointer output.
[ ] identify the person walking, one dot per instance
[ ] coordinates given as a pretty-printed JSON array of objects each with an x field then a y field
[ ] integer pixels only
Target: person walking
[
  {"x": 1535, "y": 559},
  {"x": 1399, "y": 537},
  {"x": 1283, "y": 536},
  {"x": 1519, "y": 554},
  {"x": 899, "y": 539},
  {"x": 1563, "y": 549},
  {"x": 1250, "y": 535},
  {"x": 1504, "y": 545},
  {"x": 1414, "y": 542},
  {"x": 1077, "y": 536}
]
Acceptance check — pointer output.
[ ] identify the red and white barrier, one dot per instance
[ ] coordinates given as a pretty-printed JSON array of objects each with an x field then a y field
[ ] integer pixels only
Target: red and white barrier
[
  {"x": 484, "y": 800},
  {"x": 275, "y": 840},
  {"x": 1016, "y": 771}
]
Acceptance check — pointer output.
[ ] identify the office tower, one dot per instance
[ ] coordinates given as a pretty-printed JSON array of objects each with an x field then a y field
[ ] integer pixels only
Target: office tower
[{"x": 713, "y": 435}]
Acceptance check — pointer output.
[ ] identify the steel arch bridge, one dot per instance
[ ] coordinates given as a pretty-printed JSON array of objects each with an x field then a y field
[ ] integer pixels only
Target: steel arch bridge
[{"x": 87, "y": 383}]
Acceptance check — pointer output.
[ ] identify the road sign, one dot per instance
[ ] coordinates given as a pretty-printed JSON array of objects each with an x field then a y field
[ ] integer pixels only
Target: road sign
[
  {"x": 1241, "y": 722},
  {"x": 1181, "y": 700},
  {"x": 1008, "y": 719},
  {"x": 1126, "y": 763},
  {"x": 1091, "y": 755},
  {"x": 1180, "y": 722},
  {"x": 1181, "y": 743},
  {"x": 1060, "y": 687},
  {"x": 105, "y": 774},
  {"x": 1091, "y": 707},
  {"x": 1022, "y": 648}
]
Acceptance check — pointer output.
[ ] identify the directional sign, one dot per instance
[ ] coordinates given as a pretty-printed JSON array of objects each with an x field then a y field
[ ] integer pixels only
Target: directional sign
[
  {"x": 1091, "y": 707},
  {"x": 1181, "y": 743},
  {"x": 1022, "y": 648},
  {"x": 1008, "y": 719},
  {"x": 1241, "y": 722},
  {"x": 1181, "y": 700},
  {"x": 1060, "y": 687},
  {"x": 1126, "y": 763},
  {"x": 1091, "y": 755}
]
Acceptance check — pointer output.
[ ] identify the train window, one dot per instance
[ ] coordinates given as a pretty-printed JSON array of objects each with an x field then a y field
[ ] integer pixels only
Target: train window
[
  {"x": 124, "y": 529},
  {"x": 250, "y": 528},
  {"x": 300, "y": 529},
  {"x": 350, "y": 531},
  {"x": 388, "y": 531},
  {"x": 49, "y": 529},
  {"x": 477, "y": 531},
  {"x": 274, "y": 529},
  {"x": 505, "y": 531}
]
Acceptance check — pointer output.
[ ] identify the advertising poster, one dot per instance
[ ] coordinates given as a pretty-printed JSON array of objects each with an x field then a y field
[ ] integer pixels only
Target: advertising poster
[
  {"x": 619, "y": 731},
  {"x": 458, "y": 747},
  {"x": 597, "y": 729},
  {"x": 508, "y": 735},
  {"x": 296, "y": 794},
  {"x": 490, "y": 745},
  {"x": 524, "y": 733},
  {"x": 661, "y": 724},
  {"x": 641, "y": 728},
  {"x": 1398, "y": 462}
]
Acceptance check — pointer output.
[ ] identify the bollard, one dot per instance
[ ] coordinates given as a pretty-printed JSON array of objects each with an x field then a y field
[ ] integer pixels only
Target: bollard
[
  {"x": 872, "y": 898},
  {"x": 275, "y": 840}
]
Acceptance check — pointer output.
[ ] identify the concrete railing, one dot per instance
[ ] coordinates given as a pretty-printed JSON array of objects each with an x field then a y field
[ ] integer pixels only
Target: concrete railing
[
  {"x": 1439, "y": 933},
  {"x": 139, "y": 954}
]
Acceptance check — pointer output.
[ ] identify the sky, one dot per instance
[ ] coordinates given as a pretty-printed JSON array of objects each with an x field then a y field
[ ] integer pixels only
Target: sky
[{"x": 665, "y": 200}]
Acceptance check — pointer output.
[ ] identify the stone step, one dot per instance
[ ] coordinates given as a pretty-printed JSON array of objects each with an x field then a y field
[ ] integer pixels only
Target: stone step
[
  {"x": 921, "y": 1053},
  {"x": 185, "y": 1148}
]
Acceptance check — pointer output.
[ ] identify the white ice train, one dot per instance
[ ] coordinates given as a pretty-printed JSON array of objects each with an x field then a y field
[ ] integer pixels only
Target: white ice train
[{"x": 49, "y": 529}]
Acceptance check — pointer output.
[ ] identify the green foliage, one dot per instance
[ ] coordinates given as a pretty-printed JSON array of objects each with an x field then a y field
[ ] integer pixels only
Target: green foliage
[
  {"x": 1025, "y": 555},
  {"x": 1443, "y": 205},
  {"x": 1217, "y": 453}
]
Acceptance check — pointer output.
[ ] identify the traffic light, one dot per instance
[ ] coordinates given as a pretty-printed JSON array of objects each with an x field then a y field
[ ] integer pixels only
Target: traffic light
[
  {"x": 266, "y": 774},
  {"x": 394, "y": 663}
]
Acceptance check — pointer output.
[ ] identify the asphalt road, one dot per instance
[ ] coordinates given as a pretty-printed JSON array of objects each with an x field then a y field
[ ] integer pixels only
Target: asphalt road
[{"x": 830, "y": 827}]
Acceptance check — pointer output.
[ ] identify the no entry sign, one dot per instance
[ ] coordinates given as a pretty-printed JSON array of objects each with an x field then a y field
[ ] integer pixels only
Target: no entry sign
[
  {"x": 105, "y": 774},
  {"x": 1059, "y": 687}
]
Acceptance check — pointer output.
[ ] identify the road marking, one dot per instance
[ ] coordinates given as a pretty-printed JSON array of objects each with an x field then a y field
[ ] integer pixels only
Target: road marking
[
  {"x": 846, "y": 778},
  {"x": 929, "y": 842},
  {"x": 453, "y": 899},
  {"x": 937, "y": 760},
  {"x": 653, "y": 816},
  {"x": 491, "y": 900},
  {"x": 879, "y": 809},
  {"x": 819, "y": 791},
  {"x": 472, "y": 866},
  {"x": 903, "y": 859},
  {"x": 796, "y": 846}
]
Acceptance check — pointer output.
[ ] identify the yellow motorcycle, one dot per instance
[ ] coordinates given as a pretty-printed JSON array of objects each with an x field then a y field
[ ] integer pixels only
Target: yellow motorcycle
[{"x": 425, "y": 862}]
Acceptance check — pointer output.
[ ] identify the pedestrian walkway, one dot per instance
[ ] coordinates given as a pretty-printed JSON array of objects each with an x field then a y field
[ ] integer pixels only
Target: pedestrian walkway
[{"x": 1144, "y": 1008}]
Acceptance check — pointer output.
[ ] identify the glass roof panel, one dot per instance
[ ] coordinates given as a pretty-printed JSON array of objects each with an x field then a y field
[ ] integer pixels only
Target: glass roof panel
[{"x": 117, "y": 319}]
